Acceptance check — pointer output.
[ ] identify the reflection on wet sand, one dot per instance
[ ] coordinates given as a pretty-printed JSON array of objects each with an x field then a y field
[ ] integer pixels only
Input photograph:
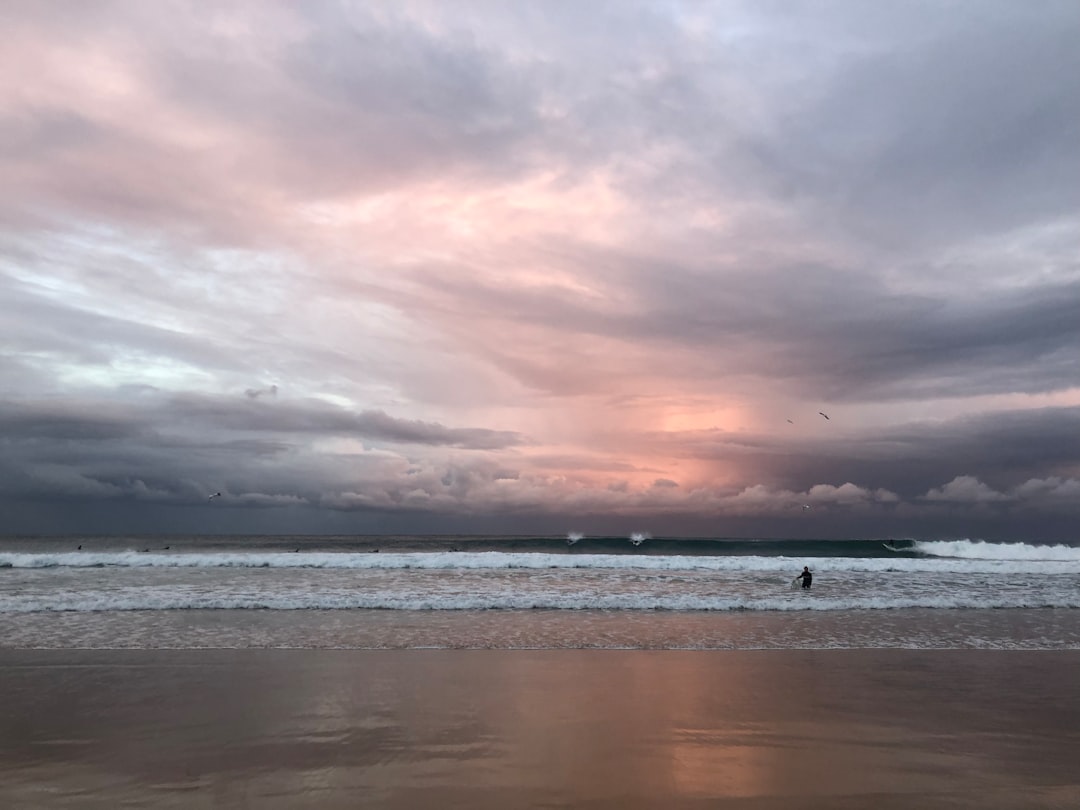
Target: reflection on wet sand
[{"x": 496, "y": 729}]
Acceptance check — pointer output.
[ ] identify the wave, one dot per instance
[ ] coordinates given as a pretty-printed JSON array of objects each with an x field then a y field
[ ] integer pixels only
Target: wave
[
  {"x": 931, "y": 557},
  {"x": 982, "y": 550}
]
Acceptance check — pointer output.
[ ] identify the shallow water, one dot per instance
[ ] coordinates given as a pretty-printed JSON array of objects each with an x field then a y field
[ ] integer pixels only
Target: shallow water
[
  {"x": 514, "y": 593},
  {"x": 545, "y": 629}
]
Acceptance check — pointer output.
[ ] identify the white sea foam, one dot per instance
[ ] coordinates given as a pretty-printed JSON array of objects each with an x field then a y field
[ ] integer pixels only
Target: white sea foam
[
  {"x": 935, "y": 576},
  {"x": 981, "y": 550},
  {"x": 962, "y": 557}
]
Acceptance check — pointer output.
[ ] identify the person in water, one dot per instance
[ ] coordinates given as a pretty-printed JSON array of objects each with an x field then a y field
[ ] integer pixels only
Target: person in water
[{"x": 806, "y": 577}]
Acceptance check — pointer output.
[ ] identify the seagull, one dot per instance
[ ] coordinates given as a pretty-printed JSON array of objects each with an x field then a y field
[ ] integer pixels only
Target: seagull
[
  {"x": 215, "y": 495},
  {"x": 823, "y": 414},
  {"x": 805, "y": 506},
  {"x": 790, "y": 422}
]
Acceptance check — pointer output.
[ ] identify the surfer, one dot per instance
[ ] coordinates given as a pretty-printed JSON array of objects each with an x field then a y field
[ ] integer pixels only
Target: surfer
[{"x": 806, "y": 577}]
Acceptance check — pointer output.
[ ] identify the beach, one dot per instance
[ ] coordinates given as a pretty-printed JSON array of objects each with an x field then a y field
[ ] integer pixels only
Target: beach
[
  {"x": 484, "y": 673},
  {"x": 761, "y": 729}
]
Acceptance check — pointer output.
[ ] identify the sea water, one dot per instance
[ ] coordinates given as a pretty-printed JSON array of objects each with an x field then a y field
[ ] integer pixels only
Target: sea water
[{"x": 535, "y": 592}]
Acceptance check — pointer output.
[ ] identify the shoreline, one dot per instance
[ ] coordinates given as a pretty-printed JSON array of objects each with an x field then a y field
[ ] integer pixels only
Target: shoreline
[{"x": 544, "y": 629}]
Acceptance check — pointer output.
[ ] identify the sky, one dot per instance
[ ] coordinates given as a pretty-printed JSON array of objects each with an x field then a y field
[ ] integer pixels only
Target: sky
[{"x": 541, "y": 267}]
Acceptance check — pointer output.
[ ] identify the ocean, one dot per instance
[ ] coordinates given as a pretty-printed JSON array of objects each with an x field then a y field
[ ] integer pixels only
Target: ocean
[
  {"x": 517, "y": 592},
  {"x": 492, "y": 672}
]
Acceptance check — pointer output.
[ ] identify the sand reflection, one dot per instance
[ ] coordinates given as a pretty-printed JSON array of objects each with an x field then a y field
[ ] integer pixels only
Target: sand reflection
[{"x": 495, "y": 729}]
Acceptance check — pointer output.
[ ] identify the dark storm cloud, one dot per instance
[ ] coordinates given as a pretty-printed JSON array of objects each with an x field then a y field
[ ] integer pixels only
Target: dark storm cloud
[
  {"x": 846, "y": 337},
  {"x": 840, "y": 334},
  {"x": 968, "y": 125},
  {"x": 179, "y": 450},
  {"x": 190, "y": 415},
  {"x": 310, "y": 416},
  {"x": 1003, "y": 450},
  {"x": 49, "y": 420}
]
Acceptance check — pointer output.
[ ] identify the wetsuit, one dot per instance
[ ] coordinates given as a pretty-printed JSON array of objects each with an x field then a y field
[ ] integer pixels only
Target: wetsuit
[{"x": 806, "y": 578}]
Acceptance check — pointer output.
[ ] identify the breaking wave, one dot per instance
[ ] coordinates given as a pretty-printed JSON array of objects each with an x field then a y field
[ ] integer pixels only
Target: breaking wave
[
  {"x": 932, "y": 557},
  {"x": 981, "y": 550}
]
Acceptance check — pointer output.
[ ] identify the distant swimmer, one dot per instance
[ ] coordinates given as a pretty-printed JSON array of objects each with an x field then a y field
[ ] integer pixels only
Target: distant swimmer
[
  {"x": 806, "y": 578},
  {"x": 823, "y": 414}
]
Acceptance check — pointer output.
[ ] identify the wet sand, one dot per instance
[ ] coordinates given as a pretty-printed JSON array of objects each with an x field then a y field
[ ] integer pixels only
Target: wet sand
[{"x": 500, "y": 729}]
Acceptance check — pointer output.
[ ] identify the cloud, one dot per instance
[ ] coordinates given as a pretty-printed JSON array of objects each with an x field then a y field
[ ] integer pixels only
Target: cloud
[
  {"x": 199, "y": 415},
  {"x": 966, "y": 489},
  {"x": 255, "y": 393},
  {"x": 50, "y": 420},
  {"x": 933, "y": 137},
  {"x": 588, "y": 259},
  {"x": 1055, "y": 488}
]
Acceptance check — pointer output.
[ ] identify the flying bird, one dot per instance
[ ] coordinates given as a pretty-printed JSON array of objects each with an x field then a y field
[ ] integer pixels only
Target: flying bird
[
  {"x": 823, "y": 414},
  {"x": 805, "y": 506},
  {"x": 790, "y": 422},
  {"x": 215, "y": 495}
]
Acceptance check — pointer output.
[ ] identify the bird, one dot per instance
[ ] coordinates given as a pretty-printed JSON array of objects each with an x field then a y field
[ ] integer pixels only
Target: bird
[
  {"x": 215, "y": 495},
  {"x": 823, "y": 414},
  {"x": 805, "y": 506},
  {"x": 790, "y": 422}
]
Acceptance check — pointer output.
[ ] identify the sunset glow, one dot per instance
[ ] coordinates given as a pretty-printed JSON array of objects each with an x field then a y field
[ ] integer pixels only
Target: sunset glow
[{"x": 462, "y": 267}]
